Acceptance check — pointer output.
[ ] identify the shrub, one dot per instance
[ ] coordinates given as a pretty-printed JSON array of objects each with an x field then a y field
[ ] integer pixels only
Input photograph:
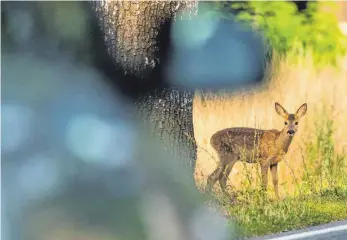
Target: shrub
[{"x": 288, "y": 30}]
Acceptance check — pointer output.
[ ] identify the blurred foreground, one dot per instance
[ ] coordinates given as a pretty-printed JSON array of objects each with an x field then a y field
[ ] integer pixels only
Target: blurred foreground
[{"x": 76, "y": 162}]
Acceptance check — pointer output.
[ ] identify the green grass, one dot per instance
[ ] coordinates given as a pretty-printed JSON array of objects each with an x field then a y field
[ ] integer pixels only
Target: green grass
[{"x": 267, "y": 216}]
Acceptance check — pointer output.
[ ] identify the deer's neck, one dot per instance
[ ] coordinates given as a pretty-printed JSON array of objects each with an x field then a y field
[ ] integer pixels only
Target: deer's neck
[{"x": 283, "y": 141}]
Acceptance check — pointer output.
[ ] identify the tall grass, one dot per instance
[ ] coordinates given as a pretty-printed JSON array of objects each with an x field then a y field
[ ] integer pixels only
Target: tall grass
[{"x": 325, "y": 168}]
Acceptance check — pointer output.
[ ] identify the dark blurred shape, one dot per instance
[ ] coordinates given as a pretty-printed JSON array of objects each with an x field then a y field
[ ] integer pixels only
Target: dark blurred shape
[
  {"x": 214, "y": 53},
  {"x": 301, "y": 5}
]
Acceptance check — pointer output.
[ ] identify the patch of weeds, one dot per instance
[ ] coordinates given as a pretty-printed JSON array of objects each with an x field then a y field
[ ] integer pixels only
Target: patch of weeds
[
  {"x": 326, "y": 168},
  {"x": 265, "y": 217}
]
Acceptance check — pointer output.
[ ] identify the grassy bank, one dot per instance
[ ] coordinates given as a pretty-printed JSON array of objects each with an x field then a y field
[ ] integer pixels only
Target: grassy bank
[
  {"x": 313, "y": 175},
  {"x": 261, "y": 217}
]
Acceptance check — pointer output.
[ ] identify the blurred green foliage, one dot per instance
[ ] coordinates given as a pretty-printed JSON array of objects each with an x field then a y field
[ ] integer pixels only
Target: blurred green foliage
[{"x": 290, "y": 32}]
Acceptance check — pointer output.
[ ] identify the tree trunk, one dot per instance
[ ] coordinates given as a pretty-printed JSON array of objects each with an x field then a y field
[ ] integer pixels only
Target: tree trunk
[
  {"x": 170, "y": 113},
  {"x": 137, "y": 37}
]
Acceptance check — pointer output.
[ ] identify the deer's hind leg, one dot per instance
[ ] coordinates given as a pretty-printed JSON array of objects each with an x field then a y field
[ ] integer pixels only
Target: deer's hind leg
[
  {"x": 223, "y": 178},
  {"x": 212, "y": 179}
]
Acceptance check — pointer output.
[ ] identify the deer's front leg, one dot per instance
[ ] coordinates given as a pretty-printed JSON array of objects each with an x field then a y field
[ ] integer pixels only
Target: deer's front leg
[
  {"x": 264, "y": 175},
  {"x": 274, "y": 174}
]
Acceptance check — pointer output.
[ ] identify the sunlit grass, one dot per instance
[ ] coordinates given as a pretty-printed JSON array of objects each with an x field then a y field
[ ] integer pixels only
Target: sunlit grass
[{"x": 265, "y": 217}]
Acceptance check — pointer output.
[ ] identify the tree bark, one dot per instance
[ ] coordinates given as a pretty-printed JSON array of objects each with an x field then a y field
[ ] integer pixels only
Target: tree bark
[
  {"x": 169, "y": 112},
  {"x": 137, "y": 37}
]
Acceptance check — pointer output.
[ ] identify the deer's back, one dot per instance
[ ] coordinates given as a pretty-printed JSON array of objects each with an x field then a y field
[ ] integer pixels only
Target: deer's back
[{"x": 232, "y": 140}]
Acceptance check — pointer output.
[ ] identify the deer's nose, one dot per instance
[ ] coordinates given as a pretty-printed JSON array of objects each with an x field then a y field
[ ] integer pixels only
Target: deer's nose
[{"x": 290, "y": 132}]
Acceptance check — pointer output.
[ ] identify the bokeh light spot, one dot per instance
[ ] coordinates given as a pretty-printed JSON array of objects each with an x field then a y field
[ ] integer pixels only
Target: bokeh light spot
[
  {"x": 95, "y": 141},
  {"x": 207, "y": 224},
  {"x": 38, "y": 177},
  {"x": 16, "y": 126}
]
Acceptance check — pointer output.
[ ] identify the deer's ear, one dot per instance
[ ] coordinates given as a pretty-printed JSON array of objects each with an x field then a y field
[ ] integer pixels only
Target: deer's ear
[
  {"x": 280, "y": 110},
  {"x": 301, "y": 111}
]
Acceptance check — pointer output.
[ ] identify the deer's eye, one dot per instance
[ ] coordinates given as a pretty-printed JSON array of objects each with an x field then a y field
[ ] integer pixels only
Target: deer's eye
[
  {"x": 296, "y": 123},
  {"x": 285, "y": 123}
]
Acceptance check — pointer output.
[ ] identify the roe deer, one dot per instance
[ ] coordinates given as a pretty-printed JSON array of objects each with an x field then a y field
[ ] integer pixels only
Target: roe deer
[{"x": 266, "y": 147}]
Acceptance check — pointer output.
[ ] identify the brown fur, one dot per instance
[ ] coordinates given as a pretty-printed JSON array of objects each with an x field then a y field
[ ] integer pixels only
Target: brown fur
[{"x": 266, "y": 147}]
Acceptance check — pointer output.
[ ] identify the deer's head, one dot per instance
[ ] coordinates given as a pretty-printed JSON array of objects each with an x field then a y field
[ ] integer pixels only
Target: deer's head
[{"x": 291, "y": 121}]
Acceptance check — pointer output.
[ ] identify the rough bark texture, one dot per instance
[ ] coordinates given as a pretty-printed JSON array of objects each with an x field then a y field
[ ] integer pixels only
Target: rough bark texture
[
  {"x": 132, "y": 30},
  {"x": 170, "y": 113},
  {"x": 137, "y": 36}
]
